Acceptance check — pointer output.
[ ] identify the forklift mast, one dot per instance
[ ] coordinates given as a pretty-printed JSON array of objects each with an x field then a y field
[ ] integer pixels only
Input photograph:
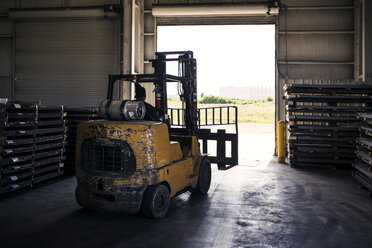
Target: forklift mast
[
  {"x": 186, "y": 77},
  {"x": 189, "y": 113}
]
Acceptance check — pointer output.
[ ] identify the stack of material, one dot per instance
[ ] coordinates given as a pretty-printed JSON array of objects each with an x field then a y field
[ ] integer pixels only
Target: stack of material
[
  {"x": 73, "y": 117},
  {"x": 32, "y": 139},
  {"x": 363, "y": 165},
  {"x": 324, "y": 123}
]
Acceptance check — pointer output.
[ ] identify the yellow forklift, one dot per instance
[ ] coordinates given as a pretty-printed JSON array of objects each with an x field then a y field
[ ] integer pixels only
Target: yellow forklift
[{"x": 127, "y": 164}]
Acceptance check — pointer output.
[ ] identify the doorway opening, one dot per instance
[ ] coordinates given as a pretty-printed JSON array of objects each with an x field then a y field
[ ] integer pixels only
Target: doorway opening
[{"x": 235, "y": 66}]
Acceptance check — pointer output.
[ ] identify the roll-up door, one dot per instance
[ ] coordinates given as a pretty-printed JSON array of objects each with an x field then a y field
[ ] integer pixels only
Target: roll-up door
[
  {"x": 6, "y": 58},
  {"x": 6, "y": 77},
  {"x": 65, "y": 61}
]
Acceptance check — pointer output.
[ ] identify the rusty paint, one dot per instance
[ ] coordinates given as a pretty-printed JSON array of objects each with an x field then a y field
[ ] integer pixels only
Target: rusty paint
[{"x": 158, "y": 160}]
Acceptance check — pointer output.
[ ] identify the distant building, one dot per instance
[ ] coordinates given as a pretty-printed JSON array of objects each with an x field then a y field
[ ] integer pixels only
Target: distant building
[{"x": 251, "y": 92}]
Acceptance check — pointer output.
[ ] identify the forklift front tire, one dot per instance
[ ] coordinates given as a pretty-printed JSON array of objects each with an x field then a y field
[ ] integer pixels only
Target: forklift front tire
[
  {"x": 156, "y": 201},
  {"x": 204, "y": 179}
]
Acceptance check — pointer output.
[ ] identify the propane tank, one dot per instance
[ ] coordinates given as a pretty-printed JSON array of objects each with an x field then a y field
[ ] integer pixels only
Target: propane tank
[{"x": 122, "y": 110}]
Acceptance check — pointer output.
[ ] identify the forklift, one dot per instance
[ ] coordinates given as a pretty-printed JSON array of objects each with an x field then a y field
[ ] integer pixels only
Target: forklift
[{"x": 128, "y": 165}]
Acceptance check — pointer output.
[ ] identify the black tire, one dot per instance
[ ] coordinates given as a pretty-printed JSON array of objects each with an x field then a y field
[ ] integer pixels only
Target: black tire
[
  {"x": 155, "y": 201},
  {"x": 204, "y": 179}
]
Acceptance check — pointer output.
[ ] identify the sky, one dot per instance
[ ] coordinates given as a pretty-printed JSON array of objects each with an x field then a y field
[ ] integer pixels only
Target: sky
[{"x": 227, "y": 55}]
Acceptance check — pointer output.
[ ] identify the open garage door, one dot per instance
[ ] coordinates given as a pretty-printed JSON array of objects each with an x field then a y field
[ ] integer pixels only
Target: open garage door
[
  {"x": 66, "y": 61},
  {"x": 177, "y": 13},
  {"x": 315, "y": 40}
]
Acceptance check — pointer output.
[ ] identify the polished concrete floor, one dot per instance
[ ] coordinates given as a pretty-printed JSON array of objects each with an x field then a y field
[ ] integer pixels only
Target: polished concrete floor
[{"x": 268, "y": 205}]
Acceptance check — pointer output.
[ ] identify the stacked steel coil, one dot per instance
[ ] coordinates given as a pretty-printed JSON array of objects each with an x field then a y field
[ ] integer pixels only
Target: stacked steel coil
[
  {"x": 32, "y": 140},
  {"x": 323, "y": 122},
  {"x": 73, "y": 117},
  {"x": 363, "y": 166}
]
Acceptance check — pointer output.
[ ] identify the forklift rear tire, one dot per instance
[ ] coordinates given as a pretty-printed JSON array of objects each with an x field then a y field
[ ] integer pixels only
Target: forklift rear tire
[
  {"x": 156, "y": 201},
  {"x": 204, "y": 179}
]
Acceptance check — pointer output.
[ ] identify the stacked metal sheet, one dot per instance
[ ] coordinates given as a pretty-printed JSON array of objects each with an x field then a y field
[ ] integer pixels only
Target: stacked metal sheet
[
  {"x": 323, "y": 122},
  {"x": 363, "y": 166},
  {"x": 32, "y": 139},
  {"x": 73, "y": 117}
]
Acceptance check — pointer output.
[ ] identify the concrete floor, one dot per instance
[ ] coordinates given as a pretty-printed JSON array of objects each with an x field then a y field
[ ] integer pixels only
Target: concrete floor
[{"x": 269, "y": 205}]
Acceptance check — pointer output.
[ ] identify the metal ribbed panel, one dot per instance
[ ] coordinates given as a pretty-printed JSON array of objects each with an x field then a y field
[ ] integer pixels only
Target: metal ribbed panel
[
  {"x": 61, "y": 4},
  {"x": 6, "y": 26},
  {"x": 5, "y": 87},
  {"x": 6, "y": 77},
  {"x": 65, "y": 61}
]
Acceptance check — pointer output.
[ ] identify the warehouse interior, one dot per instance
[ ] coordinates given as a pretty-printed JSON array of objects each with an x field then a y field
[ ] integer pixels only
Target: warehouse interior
[{"x": 55, "y": 60}]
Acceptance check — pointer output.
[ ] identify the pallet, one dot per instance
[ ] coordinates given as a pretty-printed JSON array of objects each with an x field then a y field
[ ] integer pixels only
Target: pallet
[
  {"x": 47, "y": 161},
  {"x": 295, "y": 118},
  {"x": 319, "y": 128},
  {"x": 352, "y": 88},
  {"x": 323, "y": 134},
  {"x": 366, "y": 130},
  {"x": 365, "y": 116},
  {"x": 327, "y": 109},
  {"x": 362, "y": 179},
  {"x": 15, "y": 177},
  {"x": 14, "y": 151},
  {"x": 318, "y": 149},
  {"x": 321, "y": 140},
  {"x": 322, "y": 155},
  {"x": 294, "y": 99},
  {"x": 16, "y": 160},
  {"x": 6, "y": 116},
  {"x": 16, "y": 168},
  {"x": 304, "y": 165},
  {"x": 362, "y": 155},
  {"x": 8, "y": 188},
  {"x": 365, "y": 143},
  {"x": 363, "y": 168},
  {"x": 320, "y": 160},
  {"x": 17, "y": 133}
]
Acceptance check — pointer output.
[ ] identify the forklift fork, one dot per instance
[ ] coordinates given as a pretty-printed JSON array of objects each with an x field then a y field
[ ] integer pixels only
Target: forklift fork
[{"x": 212, "y": 117}]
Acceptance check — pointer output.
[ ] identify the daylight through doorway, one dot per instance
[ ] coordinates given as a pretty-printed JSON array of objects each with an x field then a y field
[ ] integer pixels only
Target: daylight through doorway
[{"x": 235, "y": 66}]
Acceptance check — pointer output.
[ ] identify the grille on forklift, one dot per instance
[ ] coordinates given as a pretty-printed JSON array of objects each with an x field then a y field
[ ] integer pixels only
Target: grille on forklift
[{"x": 108, "y": 156}]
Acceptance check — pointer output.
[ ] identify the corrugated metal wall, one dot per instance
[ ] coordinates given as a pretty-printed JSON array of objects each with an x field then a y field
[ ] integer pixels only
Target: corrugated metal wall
[
  {"x": 5, "y": 4},
  {"x": 6, "y": 74},
  {"x": 6, "y": 58},
  {"x": 315, "y": 44},
  {"x": 368, "y": 41},
  {"x": 65, "y": 61}
]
